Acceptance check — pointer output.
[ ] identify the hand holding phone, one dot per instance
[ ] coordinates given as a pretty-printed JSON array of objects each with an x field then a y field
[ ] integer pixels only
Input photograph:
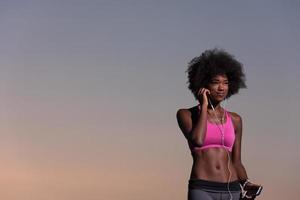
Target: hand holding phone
[{"x": 251, "y": 191}]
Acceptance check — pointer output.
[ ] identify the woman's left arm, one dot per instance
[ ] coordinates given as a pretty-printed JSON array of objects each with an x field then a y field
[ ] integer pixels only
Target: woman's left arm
[
  {"x": 236, "y": 151},
  {"x": 236, "y": 156}
]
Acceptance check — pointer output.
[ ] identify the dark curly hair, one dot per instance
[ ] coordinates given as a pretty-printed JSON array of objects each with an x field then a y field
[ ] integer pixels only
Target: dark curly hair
[{"x": 214, "y": 62}]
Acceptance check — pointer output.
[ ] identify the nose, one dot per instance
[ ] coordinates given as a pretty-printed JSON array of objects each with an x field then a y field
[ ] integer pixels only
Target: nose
[{"x": 221, "y": 87}]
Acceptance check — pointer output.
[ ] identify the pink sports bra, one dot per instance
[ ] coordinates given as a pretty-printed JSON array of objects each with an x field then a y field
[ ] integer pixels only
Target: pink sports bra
[{"x": 213, "y": 137}]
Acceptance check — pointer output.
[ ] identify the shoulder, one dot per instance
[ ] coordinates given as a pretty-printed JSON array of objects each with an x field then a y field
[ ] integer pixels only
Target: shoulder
[
  {"x": 182, "y": 110},
  {"x": 185, "y": 119},
  {"x": 236, "y": 119},
  {"x": 185, "y": 112},
  {"x": 235, "y": 116}
]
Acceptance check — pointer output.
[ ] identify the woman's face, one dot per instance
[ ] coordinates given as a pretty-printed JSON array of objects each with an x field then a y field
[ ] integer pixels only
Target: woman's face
[{"x": 218, "y": 87}]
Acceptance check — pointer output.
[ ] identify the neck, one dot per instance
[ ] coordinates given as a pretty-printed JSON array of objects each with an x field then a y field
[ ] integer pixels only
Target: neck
[{"x": 215, "y": 104}]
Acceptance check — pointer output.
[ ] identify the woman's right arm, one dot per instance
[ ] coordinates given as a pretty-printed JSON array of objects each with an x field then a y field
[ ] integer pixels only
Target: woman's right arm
[{"x": 195, "y": 133}]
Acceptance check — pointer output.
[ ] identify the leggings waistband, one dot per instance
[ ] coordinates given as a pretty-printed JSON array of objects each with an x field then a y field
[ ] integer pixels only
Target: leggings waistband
[{"x": 212, "y": 185}]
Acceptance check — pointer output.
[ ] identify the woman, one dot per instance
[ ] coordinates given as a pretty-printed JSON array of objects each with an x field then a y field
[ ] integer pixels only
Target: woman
[{"x": 214, "y": 134}]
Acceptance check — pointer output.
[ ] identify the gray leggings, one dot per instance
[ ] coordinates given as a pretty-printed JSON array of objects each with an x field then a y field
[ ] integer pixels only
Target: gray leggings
[
  {"x": 199, "y": 189},
  {"x": 199, "y": 194}
]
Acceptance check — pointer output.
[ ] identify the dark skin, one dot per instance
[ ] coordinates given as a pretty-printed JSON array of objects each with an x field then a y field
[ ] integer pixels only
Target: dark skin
[{"x": 212, "y": 163}]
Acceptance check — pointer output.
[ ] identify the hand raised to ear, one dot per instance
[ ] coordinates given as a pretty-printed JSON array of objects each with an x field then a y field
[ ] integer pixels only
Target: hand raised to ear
[{"x": 202, "y": 96}]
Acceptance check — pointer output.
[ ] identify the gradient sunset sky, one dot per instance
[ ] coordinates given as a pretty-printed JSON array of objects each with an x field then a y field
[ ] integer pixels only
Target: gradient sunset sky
[{"x": 89, "y": 92}]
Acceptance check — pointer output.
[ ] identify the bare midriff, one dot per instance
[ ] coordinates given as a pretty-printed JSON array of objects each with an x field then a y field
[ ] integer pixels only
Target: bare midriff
[{"x": 212, "y": 164}]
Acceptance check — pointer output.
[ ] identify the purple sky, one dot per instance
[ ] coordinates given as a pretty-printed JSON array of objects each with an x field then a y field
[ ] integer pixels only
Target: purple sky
[{"x": 89, "y": 92}]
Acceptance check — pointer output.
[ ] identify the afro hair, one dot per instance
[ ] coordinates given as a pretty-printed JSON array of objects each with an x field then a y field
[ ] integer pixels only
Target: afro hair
[{"x": 214, "y": 62}]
